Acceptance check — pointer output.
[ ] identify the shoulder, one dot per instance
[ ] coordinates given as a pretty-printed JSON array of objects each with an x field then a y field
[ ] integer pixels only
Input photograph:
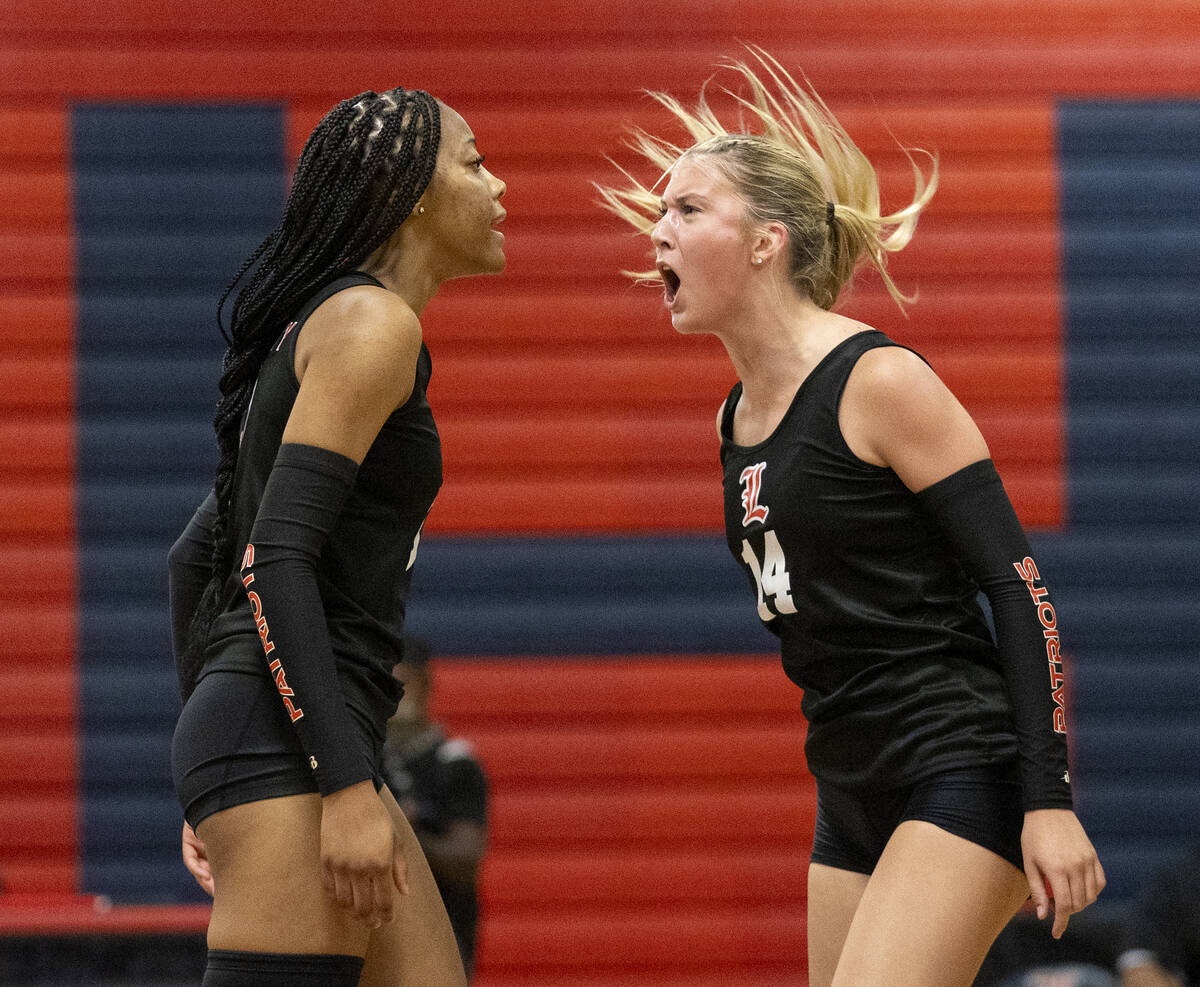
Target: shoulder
[
  {"x": 892, "y": 373},
  {"x": 356, "y": 362},
  {"x": 891, "y": 385},
  {"x": 897, "y": 412},
  {"x": 366, "y": 319},
  {"x": 364, "y": 336}
]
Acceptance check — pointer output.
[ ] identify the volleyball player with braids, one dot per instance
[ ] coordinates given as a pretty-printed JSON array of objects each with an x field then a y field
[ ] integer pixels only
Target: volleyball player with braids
[
  {"x": 861, "y": 501},
  {"x": 288, "y": 586}
]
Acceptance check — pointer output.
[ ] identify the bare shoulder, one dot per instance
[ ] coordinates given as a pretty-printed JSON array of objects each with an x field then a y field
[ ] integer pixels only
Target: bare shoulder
[
  {"x": 356, "y": 362},
  {"x": 897, "y": 412},
  {"x": 364, "y": 328},
  {"x": 890, "y": 375}
]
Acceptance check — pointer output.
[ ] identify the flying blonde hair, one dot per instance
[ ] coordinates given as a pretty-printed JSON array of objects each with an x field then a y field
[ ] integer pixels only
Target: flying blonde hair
[{"x": 800, "y": 169}]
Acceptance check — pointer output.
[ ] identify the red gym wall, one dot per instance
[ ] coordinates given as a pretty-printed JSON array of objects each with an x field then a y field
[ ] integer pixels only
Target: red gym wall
[{"x": 650, "y": 813}]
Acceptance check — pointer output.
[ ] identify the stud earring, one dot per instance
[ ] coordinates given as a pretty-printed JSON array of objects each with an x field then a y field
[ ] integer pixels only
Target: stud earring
[
  {"x": 757, "y": 260},
  {"x": 420, "y": 210}
]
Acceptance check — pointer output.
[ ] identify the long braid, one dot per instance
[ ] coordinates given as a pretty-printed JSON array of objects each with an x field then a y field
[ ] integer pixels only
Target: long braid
[{"x": 360, "y": 175}]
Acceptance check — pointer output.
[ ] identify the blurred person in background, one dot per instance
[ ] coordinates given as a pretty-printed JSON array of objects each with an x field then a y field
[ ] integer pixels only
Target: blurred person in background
[
  {"x": 442, "y": 790},
  {"x": 1161, "y": 939}
]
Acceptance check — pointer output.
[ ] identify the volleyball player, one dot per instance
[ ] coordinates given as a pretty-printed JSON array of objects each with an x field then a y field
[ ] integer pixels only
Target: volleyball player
[
  {"x": 861, "y": 501},
  {"x": 288, "y": 587}
]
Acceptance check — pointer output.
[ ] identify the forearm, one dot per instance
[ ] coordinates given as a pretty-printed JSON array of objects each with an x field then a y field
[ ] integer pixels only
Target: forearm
[
  {"x": 976, "y": 517},
  {"x": 303, "y": 498}
]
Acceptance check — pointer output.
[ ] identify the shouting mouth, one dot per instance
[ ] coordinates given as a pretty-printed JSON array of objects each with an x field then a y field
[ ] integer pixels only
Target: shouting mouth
[{"x": 670, "y": 283}]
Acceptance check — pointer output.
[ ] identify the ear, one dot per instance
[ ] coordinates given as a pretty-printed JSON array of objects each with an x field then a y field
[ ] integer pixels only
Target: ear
[{"x": 767, "y": 243}]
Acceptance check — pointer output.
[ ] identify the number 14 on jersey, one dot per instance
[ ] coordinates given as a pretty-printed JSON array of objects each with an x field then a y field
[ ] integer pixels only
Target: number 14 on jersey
[{"x": 770, "y": 576}]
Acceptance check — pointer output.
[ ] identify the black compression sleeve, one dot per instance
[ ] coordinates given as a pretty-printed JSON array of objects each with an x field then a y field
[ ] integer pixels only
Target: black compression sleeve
[
  {"x": 189, "y": 565},
  {"x": 304, "y": 496},
  {"x": 976, "y": 517}
]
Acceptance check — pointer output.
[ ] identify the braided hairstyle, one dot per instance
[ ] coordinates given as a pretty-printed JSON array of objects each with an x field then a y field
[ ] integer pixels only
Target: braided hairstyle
[{"x": 360, "y": 175}]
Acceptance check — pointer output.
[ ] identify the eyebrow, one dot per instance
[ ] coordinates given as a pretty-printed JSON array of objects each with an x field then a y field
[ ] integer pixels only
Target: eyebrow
[{"x": 685, "y": 197}]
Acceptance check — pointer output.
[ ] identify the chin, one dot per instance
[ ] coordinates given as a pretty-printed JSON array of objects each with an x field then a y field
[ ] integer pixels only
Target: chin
[{"x": 687, "y": 327}]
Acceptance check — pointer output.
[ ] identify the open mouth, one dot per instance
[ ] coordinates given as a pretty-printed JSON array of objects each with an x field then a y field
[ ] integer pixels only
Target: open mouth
[{"x": 670, "y": 282}]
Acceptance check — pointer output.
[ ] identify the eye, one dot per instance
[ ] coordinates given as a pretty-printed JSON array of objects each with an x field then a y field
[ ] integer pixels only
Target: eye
[
  {"x": 687, "y": 210},
  {"x": 478, "y": 162}
]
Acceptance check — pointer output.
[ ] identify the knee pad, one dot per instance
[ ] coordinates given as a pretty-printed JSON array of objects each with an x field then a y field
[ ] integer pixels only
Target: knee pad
[{"x": 234, "y": 968}]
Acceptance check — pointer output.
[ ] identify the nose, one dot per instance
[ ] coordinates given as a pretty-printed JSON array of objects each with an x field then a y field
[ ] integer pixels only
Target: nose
[
  {"x": 503, "y": 187},
  {"x": 658, "y": 235}
]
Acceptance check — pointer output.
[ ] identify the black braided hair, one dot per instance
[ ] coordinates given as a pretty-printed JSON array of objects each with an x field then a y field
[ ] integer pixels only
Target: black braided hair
[{"x": 361, "y": 173}]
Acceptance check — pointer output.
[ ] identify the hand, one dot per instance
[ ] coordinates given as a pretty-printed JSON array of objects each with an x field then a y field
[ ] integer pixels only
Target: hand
[
  {"x": 1060, "y": 862},
  {"x": 195, "y": 859},
  {"x": 361, "y": 858}
]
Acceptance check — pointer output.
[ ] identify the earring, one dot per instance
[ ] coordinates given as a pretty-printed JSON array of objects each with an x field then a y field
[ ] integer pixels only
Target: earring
[
  {"x": 420, "y": 210},
  {"x": 757, "y": 260}
]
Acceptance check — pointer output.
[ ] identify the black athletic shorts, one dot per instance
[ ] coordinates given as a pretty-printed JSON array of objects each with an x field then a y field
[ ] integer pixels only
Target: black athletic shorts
[
  {"x": 234, "y": 744},
  {"x": 982, "y": 805}
]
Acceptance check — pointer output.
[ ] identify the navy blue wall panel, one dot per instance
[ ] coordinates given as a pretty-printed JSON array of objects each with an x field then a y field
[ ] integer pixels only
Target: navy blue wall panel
[
  {"x": 168, "y": 200},
  {"x": 1126, "y": 571}
]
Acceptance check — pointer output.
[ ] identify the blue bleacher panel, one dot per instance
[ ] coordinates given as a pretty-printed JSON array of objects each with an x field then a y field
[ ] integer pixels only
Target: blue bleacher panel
[
  {"x": 168, "y": 200},
  {"x": 1126, "y": 568}
]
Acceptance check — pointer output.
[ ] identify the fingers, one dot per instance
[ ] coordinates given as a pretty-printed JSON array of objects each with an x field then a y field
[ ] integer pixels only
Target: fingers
[
  {"x": 1072, "y": 889},
  {"x": 195, "y": 859},
  {"x": 1065, "y": 906},
  {"x": 1060, "y": 862},
  {"x": 399, "y": 868},
  {"x": 358, "y": 849},
  {"x": 1039, "y": 891},
  {"x": 364, "y": 892}
]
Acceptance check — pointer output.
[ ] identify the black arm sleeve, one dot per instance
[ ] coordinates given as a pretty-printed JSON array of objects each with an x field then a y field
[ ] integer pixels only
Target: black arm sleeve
[
  {"x": 189, "y": 566},
  {"x": 304, "y": 496},
  {"x": 976, "y": 517}
]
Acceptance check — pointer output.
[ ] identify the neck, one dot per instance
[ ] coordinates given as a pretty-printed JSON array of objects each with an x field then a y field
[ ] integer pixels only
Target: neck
[
  {"x": 775, "y": 343},
  {"x": 401, "y": 265}
]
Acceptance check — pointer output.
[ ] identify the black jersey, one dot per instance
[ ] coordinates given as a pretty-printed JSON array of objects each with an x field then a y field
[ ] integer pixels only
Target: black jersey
[
  {"x": 879, "y": 624},
  {"x": 365, "y": 569}
]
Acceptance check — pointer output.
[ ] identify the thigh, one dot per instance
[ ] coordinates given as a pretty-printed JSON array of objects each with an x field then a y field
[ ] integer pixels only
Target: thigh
[
  {"x": 269, "y": 896},
  {"x": 930, "y": 911},
  {"x": 833, "y": 897},
  {"x": 418, "y": 945}
]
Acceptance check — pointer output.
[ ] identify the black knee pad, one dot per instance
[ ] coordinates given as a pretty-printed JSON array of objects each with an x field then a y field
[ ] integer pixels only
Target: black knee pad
[{"x": 233, "y": 968}]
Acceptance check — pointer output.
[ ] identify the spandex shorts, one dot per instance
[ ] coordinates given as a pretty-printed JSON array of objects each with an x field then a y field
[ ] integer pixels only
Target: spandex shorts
[
  {"x": 982, "y": 805},
  {"x": 233, "y": 744}
]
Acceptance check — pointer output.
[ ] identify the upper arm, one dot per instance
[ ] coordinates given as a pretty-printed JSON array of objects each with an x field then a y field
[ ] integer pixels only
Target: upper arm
[
  {"x": 721, "y": 415},
  {"x": 356, "y": 362},
  {"x": 896, "y": 412}
]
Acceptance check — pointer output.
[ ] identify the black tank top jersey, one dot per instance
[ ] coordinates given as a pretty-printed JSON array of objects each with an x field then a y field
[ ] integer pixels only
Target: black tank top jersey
[
  {"x": 365, "y": 569},
  {"x": 879, "y": 625}
]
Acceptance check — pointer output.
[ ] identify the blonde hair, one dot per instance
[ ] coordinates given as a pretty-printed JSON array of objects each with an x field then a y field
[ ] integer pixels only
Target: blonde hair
[{"x": 801, "y": 170}]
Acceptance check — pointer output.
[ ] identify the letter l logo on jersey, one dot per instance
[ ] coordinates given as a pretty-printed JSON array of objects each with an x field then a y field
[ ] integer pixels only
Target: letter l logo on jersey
[{"x": 752, "y": 486}]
